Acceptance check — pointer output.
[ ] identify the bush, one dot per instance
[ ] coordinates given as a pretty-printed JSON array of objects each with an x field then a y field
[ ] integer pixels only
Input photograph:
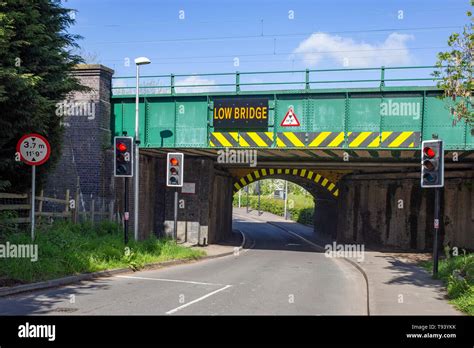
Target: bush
[{"x": 302, "y": 210}]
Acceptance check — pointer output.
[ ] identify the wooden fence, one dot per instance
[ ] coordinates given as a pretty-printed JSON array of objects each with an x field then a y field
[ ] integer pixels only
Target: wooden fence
[{"x": 21, "y": 204}]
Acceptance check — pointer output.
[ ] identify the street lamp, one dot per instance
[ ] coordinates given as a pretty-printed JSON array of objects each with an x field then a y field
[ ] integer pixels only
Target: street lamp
[{"x": 138, "y": 61}]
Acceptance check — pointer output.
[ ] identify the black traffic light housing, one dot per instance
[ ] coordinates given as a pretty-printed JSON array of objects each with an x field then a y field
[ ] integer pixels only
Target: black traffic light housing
[
  {"x": 174, "y": 169},
  {"x": 432, "y": 163},
  {"x": 123, "y": 163}
]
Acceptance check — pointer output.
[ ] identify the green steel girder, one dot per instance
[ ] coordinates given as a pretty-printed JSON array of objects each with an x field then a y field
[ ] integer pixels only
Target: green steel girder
[{"x": 349, "y": 118}]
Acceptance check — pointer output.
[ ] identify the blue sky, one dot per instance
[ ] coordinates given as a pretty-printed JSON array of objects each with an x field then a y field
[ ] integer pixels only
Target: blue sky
[{"x": 246, "y": 35}]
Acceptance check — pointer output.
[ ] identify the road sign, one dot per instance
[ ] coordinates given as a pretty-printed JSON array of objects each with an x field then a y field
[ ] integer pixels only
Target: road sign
[
  {"x": 33, "y": 149},
  {"x": 290, "y": 119},
  {"x": 188, "y": 187},
  {"x": 240, "y": 112}
]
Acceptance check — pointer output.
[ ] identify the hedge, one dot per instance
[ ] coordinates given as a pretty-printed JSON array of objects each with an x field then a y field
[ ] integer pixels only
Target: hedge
[{"x": 299, "y": 213}]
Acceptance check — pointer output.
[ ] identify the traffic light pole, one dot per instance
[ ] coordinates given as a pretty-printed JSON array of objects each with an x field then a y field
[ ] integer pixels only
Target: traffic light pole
[
  {"x": 258, "y": 183},
  {"x": 176, "y": 215},
  {"x": 247, "y": 199},
  {"x": 437, "y": 209},
  {"x": 126, "y": 212}
]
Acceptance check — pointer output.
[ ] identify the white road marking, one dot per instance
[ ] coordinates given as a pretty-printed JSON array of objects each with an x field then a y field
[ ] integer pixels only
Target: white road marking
[
  {"x": 243, "y": 251},
  {"x": 168, "y": 280},
  {"x": 198, "y": 299}
]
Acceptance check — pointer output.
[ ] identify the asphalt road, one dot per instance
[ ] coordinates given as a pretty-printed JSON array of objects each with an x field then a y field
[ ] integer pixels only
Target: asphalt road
[{"x": 276, "y": 273}]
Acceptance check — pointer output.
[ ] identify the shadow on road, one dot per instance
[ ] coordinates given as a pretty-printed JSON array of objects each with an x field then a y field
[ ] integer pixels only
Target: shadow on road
[{"x": 50, "y": 301}]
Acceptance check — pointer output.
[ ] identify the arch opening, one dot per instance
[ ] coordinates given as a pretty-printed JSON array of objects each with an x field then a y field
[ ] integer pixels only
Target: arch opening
[{"x": 323, "y": 192}]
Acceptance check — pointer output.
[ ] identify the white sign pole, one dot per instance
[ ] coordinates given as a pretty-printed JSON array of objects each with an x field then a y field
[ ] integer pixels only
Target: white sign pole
[{"x": 33, "y": 192}]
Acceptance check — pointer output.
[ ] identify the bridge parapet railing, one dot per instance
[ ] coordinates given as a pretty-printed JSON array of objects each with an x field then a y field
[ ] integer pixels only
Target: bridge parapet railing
[{"x": 298, "y": 80}]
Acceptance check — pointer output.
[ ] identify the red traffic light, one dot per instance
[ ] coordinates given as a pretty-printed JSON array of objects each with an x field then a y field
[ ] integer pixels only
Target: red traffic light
[
  {"x": 122, "y": 147},
  {"x": 429, "y": 152},
  {"x": 174, "y": 161}
]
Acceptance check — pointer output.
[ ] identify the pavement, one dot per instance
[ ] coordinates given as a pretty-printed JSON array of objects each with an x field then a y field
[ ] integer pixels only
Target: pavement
[{"x": 397, "y": 285}]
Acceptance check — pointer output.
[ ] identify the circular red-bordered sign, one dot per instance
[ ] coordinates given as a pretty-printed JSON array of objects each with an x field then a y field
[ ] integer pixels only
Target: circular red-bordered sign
[{"x": 33, "y": 149}]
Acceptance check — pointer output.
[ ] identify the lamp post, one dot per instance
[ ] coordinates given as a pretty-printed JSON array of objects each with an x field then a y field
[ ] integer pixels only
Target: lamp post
[{"x": 138, "y": 61}]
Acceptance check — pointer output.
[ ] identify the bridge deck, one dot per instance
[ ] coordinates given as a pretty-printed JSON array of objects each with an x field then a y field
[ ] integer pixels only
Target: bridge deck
[{"x": 182, "y": 114}]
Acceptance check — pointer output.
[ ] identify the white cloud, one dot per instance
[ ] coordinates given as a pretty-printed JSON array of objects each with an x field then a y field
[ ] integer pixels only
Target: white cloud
[
  {"x": 193, "y": 81},
  {"x": 350, "y": 53}
]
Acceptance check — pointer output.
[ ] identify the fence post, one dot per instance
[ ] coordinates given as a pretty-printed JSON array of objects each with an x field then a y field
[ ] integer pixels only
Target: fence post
[
  {"x": 382, "y": 77},
  {"x": 111, "y": 210},
  {"x": 307, "y": 79},
  {"x": 92, "y": 210},
  {"x": 172, "y": 84},
  {"x": 40, "y": 205},
  {"x": 66, "y": 208},
  {"x": 237, "y": 82},
  {"x": 76, "y": 203}
]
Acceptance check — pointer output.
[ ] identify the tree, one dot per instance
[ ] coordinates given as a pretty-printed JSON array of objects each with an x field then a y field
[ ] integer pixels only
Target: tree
[
  {"x": 455, "y": 71},
  {"x": 35, "y": 65}
]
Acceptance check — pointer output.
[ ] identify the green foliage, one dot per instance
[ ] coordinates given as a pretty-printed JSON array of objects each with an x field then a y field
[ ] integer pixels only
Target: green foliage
[
  {"x": 35, "y": 61},
  {"x": 67, "y": 249},
  {"x": 300, "y": 208},
  {"x": 6, "y": 224},
  {"x": 455, "y": 69},
  {"x": 456, "y": 287},
  {"x": 457, "y": 272}
]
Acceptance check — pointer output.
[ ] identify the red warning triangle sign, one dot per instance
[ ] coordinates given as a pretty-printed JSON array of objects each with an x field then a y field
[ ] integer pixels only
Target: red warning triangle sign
[{"x": 290, "y": 119}]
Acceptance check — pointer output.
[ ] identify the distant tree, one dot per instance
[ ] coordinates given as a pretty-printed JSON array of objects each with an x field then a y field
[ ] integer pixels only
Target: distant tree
[
  {"x": 455, "y": 70},
  {"x": 35, "y": 65}
]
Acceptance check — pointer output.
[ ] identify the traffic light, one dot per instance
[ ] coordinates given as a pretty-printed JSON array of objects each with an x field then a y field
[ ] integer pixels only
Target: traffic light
[
  {"x": 123, "y": 165},
  {"x": 432, "y": 163},
  {"x": 175, "y": 166}
]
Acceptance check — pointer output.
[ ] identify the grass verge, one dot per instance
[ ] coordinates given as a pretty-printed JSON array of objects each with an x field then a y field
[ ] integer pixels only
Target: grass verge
[
  {"x": 67, "y": 249},
  {"x": 457, "y": 272}
]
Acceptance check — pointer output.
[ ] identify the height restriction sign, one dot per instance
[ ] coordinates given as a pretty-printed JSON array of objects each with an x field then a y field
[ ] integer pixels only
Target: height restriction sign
[
  {"x": 33, "y": 149},
  {"x": 290, "y": 119}
]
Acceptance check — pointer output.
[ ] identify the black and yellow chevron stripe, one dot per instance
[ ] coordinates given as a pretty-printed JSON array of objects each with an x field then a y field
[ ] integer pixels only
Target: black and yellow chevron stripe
[
  {"x": 325, "y": 139},
  {"x": 363, "y": 139},
  {"x": 304, "y": 173},
  {"x": 242, "y": 139},
  {"x": 400, "y": 139},
  {"x": 291, "y": 139},
  {"x": 386, "y": 139}
]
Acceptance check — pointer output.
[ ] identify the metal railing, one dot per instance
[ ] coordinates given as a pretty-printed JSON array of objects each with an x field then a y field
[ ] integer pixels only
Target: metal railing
[{"x": 171, "y": 87}]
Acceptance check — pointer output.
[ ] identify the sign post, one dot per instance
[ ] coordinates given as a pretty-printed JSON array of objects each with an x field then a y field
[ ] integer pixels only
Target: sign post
[{"x": 34, "y": 150}]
